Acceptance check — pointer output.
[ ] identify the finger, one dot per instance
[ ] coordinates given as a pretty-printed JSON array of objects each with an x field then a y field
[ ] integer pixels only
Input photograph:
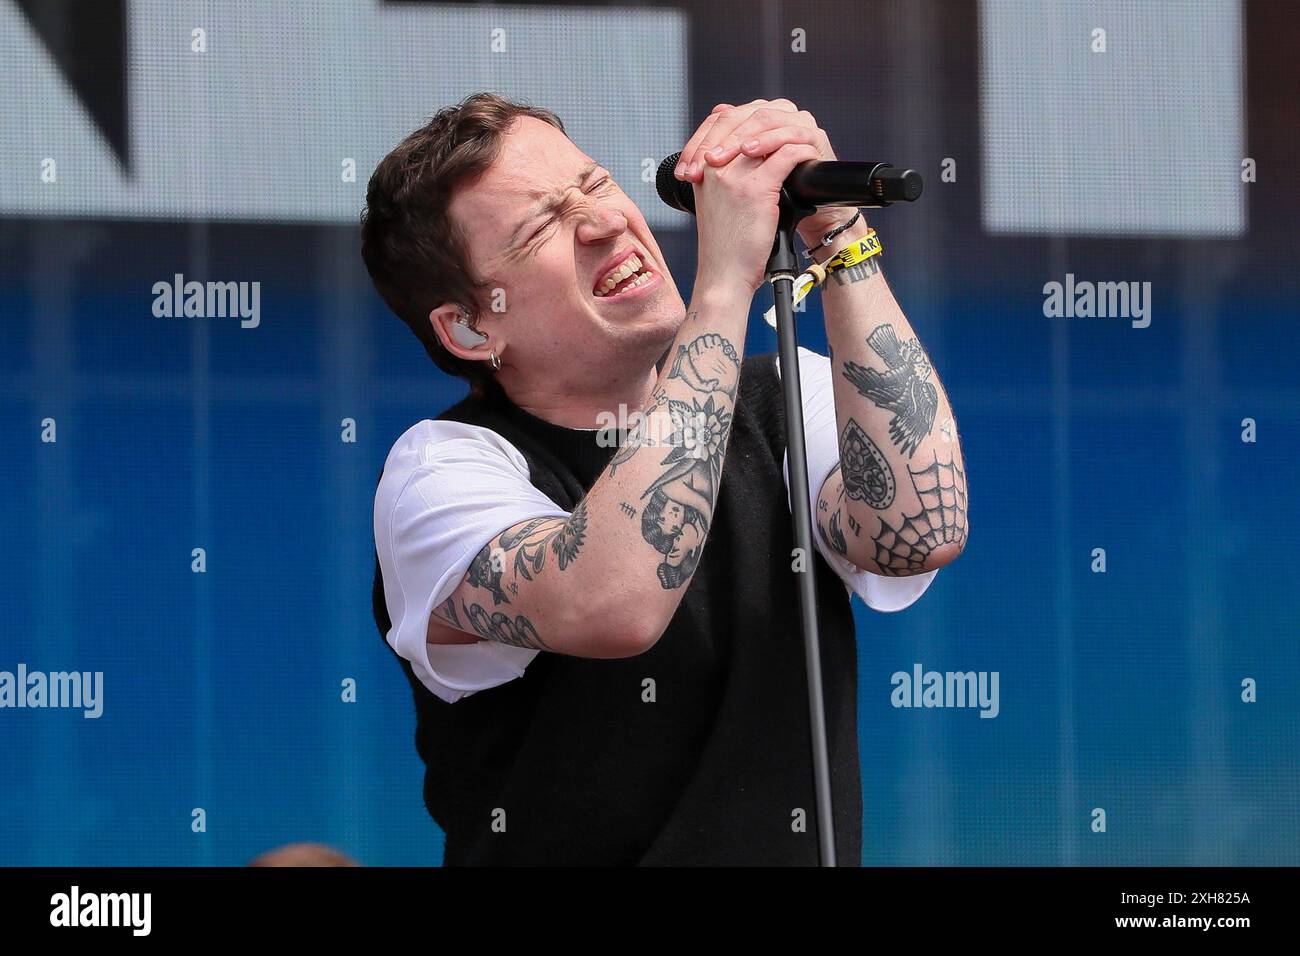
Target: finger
[
  {"x": 779, "y": 165},
  {"x": 802, "y": 119},
  {"x": 694, "y": 159},
  {"x": 691, "y": 150},
  {"x": 722, "y": 132},
  {"x": 760, "y": 143},
  {"x": 688, "y": 151},
  {"x": 823, "y": 144},
  {"x": 783, "y": 105},
  {"x": 693, "y": 154}
]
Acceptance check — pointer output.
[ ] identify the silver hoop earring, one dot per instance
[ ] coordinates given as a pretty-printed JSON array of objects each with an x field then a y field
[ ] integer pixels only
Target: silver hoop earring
[{"x": 496, "y": 361}]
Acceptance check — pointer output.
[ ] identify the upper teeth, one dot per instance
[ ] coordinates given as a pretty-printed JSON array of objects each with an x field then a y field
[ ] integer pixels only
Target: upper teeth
[{"x": 630, "y": 265}]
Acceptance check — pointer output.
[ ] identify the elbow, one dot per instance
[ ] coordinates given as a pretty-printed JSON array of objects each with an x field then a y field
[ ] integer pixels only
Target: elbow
[
  {"x": 631, "y": 638},
  {"x": 949, "y": 551},
  {"x": 944, "y": 554},
  {"x": 617, "y": 630}
]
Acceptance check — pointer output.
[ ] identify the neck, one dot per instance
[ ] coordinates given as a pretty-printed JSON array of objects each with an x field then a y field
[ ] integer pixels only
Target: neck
[{"x": 570, "y": 407}]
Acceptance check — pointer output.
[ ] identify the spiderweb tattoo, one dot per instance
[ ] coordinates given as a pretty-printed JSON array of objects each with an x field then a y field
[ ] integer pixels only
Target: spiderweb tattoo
[{"x": 941, "y": 520}]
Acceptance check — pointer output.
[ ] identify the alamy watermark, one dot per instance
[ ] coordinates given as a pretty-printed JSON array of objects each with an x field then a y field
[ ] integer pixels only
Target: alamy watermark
[
  {"x": 1103, "y": 300},
  {"x": 208, "y": 300},
  {"x": 83, "y": 690},
  {"x": 922, "y": 688},
  {"x": 75, "y": 908}
]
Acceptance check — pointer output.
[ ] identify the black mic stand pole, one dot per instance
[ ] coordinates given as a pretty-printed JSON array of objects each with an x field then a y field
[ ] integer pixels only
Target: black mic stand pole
[
  {"x": 782, "y": 270},
  {"x": 831, "y": 184}
]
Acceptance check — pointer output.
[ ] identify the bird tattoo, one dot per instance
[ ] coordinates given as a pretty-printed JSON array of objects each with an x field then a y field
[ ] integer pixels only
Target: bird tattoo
[{"x": 902, "y": 388}]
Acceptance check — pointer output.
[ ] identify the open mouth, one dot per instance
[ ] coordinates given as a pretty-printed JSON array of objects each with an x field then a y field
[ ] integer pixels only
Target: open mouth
[{"x": 629, "y": 274}]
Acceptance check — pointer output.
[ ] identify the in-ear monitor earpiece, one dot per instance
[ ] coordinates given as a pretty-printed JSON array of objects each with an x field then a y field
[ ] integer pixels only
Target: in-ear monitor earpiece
[{"x": 465, "y": 336}]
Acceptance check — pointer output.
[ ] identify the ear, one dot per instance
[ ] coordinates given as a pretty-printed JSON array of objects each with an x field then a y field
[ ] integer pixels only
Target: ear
[{"x": 457, "y": 336}]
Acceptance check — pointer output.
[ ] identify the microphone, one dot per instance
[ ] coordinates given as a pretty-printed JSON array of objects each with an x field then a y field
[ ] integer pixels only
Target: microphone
[{"x": 814, "y": 183}]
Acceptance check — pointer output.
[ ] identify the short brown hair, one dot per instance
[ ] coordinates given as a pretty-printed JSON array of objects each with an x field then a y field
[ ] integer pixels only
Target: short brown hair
[{"x": 417, "y": 257}]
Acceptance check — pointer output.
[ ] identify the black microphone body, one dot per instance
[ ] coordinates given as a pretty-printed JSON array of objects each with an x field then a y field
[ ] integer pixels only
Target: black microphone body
[{"x": 814, "y": 183}]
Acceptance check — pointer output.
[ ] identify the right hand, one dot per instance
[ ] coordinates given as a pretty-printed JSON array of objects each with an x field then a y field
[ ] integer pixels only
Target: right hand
[{"x": 737, "y": 204}]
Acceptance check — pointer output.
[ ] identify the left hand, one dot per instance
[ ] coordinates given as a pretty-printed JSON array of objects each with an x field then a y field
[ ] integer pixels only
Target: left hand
[{"x": 758, "y": 128}]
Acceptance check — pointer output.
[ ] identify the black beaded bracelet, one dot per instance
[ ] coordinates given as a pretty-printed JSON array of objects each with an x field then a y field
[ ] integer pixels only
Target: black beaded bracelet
[{"x": 826, "y": 239}]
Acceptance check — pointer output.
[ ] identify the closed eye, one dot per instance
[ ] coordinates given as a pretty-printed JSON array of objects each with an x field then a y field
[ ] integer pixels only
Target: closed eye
[{"x": 598, "y": 184}]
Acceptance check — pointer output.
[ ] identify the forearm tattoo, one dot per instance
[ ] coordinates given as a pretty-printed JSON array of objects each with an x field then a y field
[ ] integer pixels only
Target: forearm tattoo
[
  {"x": 708, "y": 364},
  {"x": 632, "y": 442},
  {"x": 902, "y": 388},
  {"x": 857, "y": 272},
  {"x": 834, "y": 537},
  {"x": 866, "y": 472},
  {"x": 941, "y": 488},
  {"x": 679, "y": 503}
]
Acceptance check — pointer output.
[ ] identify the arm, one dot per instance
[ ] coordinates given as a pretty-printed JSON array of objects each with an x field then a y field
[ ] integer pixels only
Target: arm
[
  {"x": 605, "y": 581},
  {"x": 901, "y": 507},
  {"x": 897, "y": 503}
]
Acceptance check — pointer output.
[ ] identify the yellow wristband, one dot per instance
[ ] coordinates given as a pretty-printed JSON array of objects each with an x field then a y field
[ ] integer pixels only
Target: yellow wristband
[{"x": 859, "y": 250}]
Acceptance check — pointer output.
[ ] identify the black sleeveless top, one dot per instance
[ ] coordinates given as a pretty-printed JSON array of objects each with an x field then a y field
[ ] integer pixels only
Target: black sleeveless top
[{"x": 696, "y": 752}]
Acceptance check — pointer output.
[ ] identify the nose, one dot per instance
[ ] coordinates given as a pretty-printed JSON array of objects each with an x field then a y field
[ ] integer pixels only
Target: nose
[{"x": 601, "y": 222}]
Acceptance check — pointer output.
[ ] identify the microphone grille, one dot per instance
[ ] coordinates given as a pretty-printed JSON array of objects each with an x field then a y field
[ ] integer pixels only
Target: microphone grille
[{"x": 672, "y": 190}]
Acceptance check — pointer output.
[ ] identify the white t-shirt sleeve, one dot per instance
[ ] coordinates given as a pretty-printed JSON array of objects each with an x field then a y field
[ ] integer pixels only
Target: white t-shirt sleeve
[
  {"x": 448, "y": 489},
  {"x": 821, "y": 437}
]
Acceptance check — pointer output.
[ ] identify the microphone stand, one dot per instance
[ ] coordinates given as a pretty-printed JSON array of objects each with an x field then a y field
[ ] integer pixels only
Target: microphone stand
[
  {"x": 782, "y": 270},
  {"x": 832, "y": 184}
]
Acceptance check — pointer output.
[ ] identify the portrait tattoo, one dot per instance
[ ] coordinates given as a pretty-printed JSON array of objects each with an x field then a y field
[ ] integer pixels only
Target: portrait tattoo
[
  {"x": 902, "y": 388},
  {"x": 941, "y": 488},
  {"x": 676, "y": 518},
  {"x": 866, "y": 472}
]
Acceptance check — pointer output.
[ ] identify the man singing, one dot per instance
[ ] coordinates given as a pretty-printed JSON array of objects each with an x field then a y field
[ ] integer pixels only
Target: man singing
[{"x": 600, "y": 627}]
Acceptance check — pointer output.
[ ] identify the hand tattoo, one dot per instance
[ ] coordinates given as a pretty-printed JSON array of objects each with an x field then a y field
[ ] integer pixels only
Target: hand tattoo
[{"x": 708, "y": 364}]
